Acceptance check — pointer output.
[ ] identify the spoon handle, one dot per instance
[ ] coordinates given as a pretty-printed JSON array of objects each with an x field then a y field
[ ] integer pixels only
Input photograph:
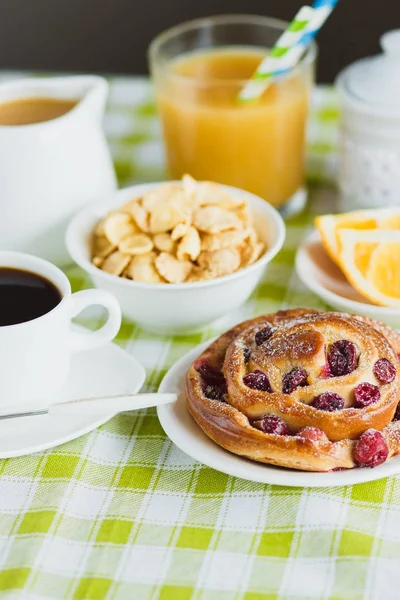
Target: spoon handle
[{"x": 110, "y": 404}]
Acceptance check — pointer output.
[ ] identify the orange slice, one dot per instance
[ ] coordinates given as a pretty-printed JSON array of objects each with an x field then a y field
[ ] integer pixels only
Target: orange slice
[
  {"x": 370, "y": 260},
  {"x": 329, "y": 225}
]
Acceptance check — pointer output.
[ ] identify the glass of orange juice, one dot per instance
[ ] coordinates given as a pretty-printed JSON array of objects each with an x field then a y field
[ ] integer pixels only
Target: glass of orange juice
[{"x": 198, "y": 69}]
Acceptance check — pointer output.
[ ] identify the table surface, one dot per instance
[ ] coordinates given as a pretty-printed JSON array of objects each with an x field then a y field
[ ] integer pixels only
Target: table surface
[{"x": 121, "y": 513}]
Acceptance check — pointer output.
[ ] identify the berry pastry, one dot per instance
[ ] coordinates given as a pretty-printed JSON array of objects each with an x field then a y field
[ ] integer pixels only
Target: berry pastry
[{"x": 302, "y": 389}]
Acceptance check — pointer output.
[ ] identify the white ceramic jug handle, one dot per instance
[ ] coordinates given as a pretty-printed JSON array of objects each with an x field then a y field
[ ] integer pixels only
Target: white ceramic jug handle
[{"x": 94, "y": 339}]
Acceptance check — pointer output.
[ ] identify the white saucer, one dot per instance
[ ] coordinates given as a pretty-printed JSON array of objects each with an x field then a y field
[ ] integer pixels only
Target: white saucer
[
  {"x": 317, "y": 271},
  {"x": 187, "y": 435},
  {"x": 104, "y": 371}
]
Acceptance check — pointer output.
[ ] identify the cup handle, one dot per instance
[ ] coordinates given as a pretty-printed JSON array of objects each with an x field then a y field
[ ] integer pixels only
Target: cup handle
[{"x": 94, "y": 339}]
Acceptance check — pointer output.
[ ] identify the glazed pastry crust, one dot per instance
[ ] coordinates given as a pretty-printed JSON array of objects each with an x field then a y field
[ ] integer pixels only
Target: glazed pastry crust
[{"x": 300, "y": 340}]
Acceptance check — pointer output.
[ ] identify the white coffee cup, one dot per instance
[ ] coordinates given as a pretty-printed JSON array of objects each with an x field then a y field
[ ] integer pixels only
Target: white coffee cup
[{"x": 35, "y": 355}]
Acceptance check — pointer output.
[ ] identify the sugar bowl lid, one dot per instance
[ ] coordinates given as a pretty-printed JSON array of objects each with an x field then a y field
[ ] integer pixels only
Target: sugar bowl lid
[{"x": 375, "y": 81}]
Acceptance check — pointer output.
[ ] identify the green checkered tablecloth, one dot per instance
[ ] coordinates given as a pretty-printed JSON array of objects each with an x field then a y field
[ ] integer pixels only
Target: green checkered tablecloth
[{"x": 121, "y": 513}]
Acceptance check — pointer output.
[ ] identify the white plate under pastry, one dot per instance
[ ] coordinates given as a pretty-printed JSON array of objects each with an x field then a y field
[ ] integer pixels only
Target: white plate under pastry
[
  {"x": 320, "y": 275},
  {"x": 189, "y": 437},
  {"x": 104, "y": 371}
]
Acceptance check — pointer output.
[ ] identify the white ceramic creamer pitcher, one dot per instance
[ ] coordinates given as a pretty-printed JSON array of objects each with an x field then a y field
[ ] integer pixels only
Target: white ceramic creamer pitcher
[{"x": 49, "y": 170}]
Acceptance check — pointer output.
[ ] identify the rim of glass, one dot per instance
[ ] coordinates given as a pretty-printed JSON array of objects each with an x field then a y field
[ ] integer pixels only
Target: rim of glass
[{"x": 154, "y": 49}]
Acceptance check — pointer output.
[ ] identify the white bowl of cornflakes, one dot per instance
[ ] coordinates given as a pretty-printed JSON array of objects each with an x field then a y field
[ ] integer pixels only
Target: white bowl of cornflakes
[{"x": 176, "y": 255}]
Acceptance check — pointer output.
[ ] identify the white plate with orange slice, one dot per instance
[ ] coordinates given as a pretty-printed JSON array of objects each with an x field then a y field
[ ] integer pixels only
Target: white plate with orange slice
[{"x": 352, "y": 262}]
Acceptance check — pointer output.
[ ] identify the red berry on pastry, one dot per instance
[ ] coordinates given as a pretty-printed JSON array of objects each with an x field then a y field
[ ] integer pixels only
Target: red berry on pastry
[
  {"x": 366, "y": 394},
  {"x": 297, "y": 377},
  {"x": 371, "y": 449},
  {"x": 384, "y": 371},
  {"x": 214, "y": 384},
  {"x": 315, "y": 434},
  {"x": 210, "y": 374},
  {"x": 328, "y": 401},
  {"x": 273, "y": 424},
  {"x": 214, "y": 392},
  {"x": 342, "y": 358},
  {"x": 263, "y": 335},
  {"x": 257, "y": 381}
]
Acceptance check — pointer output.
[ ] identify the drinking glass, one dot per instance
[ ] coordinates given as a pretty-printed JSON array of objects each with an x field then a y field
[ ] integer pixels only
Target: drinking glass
[{"x": 198, "y": 69}]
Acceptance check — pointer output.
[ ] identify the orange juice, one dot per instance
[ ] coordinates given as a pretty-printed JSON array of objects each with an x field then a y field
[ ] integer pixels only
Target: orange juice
[{"x": 257, "y": 146}]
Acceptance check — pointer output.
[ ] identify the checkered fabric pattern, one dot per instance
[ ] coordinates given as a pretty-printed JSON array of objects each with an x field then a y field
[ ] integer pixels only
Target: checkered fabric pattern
[{"x": 121, "y": 513}]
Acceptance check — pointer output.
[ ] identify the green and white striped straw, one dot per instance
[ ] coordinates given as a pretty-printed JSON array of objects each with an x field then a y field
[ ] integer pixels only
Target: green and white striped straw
[
  {"x": 275, "y": 61},
  {"x": 289, "y": 48}
]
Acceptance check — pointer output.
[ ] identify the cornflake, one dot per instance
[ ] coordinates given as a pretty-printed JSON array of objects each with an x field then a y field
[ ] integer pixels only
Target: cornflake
[
  {"x": 222, "y": 262},
  {"x": 164, "y": 242},
  {"x": 207, "y": 192},
  {"x": 98, "y": 261},
  {"x": 226, "y": 239},
  {"x": 162, "y": 194},
  {"x": 212, "y": 219},
  {"x": 142, "y": 268},
  {"x": 140, "y": 215},
  {"x": 102, "y": 247},
  {"x": 115, "y": 263},
  {"x": 198, "y": 274},
  {"x": 172, "y": 269},
  {"x": 189, "y": 246},
  {"x": 251, "y": 251},
  {"x": 177, "y": 232},
  {"x": 118, "y": 226},
  {"x": 164, "y": 218},
  {"x": 138, "y": 243},
  {"x": 180, "y": 230}
]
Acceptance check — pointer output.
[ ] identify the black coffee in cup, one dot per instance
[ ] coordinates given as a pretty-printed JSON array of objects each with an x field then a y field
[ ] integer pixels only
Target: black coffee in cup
[{"x": 25, "y": 296}]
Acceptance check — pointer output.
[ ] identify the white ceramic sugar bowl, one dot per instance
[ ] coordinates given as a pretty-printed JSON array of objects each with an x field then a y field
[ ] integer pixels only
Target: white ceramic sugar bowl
[{"x": 369, "y": 155}]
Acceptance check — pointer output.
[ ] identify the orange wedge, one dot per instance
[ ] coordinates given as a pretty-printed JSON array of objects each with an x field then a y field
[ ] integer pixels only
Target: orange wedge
[
  {"x": 329, "y": 225},
  {"x": 370, "y": 259}
]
